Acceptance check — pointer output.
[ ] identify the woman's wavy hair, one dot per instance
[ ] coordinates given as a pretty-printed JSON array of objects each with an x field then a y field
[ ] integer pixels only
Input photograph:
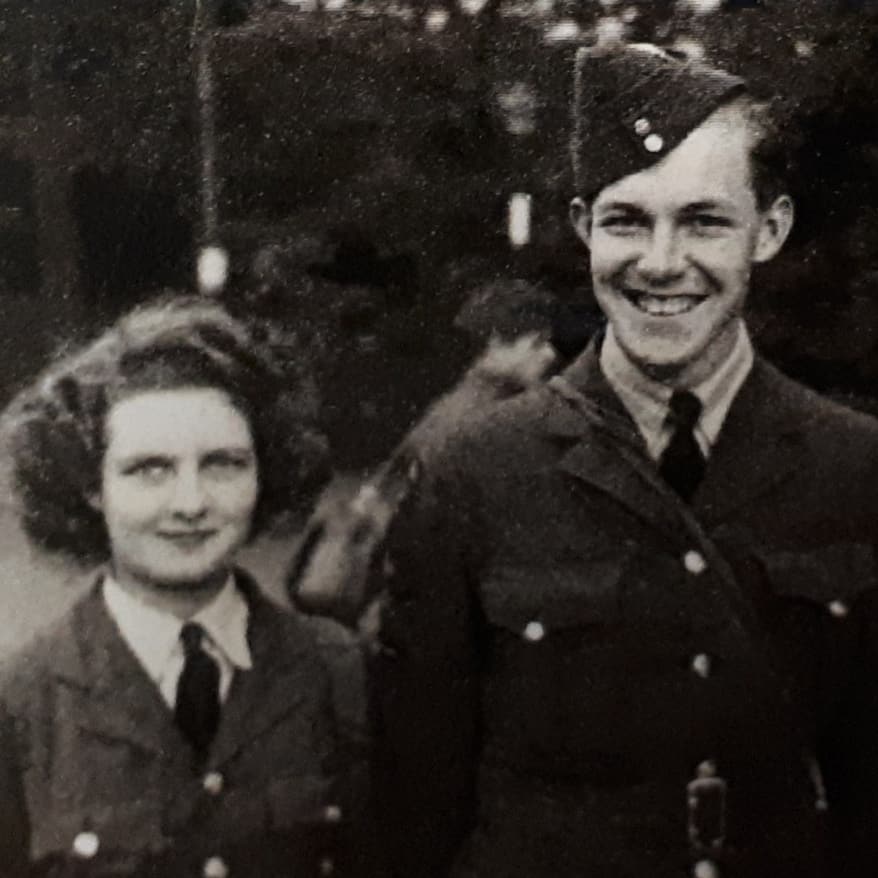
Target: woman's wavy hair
[{"x": 56, "y": 427}]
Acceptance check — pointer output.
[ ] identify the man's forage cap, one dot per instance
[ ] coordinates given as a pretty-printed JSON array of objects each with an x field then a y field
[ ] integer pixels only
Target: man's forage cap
[{"x": 632, "y": 104}]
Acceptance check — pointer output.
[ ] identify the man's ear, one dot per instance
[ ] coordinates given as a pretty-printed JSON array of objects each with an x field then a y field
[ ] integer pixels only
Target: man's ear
[
  {"x": 775, "y": 226},
  {"x": 580, "y": 216}
]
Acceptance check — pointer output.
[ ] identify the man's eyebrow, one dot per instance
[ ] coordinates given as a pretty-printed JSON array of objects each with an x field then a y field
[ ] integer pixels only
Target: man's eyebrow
[
  {"x": 711, "y": 204},
  {"x": 625, "y": 206}
]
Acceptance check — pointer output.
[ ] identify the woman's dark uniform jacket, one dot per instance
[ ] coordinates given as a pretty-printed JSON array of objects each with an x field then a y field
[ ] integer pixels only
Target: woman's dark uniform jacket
[
  {"x": 581, "y": 676},
  {"x": 90, "y": 749}
]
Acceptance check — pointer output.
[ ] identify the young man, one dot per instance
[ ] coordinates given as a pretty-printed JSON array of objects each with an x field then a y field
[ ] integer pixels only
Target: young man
[{"x": 618, "y": 606}]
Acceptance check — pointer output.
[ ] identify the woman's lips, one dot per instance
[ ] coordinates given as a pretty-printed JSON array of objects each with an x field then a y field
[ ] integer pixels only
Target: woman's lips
[{"x": 187, "y": 539}]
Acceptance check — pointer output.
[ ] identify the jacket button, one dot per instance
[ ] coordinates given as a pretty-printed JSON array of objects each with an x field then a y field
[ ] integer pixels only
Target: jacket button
[
  {"x": 215, "y": 867},
  {"x": 534, "y": 631},
  {"x": 839, "y": 609},
  {"x": 332, "y": 814},
  {"x": 694, "y": 562},
  {"x": 327, "y": 866},
  {"x": 85, "y": 845},
  {"x": 653, "y": 143},
  {"x": 213, "y": 783},
  {"x": 642, "y": 127},
  {"x": 701, "y": 665},
  {"x": 705, "y": 869}
]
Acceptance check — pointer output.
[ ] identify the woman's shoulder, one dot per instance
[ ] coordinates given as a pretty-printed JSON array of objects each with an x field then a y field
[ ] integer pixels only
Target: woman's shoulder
[
  {"x": 32, "y": 669},
  {"x": 333, "y": 653}
]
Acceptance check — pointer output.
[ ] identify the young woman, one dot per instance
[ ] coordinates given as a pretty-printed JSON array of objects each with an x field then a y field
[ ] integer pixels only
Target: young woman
[{"x": 175, "y": 723}]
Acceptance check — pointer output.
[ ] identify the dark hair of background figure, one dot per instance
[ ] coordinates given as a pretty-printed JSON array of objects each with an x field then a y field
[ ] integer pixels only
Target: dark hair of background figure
[
  {"x": 55, "y": 428},
  {"x": 770, "y": 152}
]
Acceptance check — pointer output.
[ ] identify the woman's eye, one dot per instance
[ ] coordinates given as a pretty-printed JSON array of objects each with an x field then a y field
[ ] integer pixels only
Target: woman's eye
[
  {"x": 149, "y": 470},
  {"x": 224, "y": 465}
]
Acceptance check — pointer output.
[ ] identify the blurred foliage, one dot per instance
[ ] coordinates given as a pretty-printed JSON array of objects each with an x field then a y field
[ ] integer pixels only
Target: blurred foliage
[{"x": 366, "y": 151}]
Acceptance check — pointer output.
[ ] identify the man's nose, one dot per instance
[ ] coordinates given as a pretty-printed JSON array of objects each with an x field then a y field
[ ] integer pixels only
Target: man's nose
[
  {"x": 189, "y": 499},
  {"x": 663, "y": 259}
]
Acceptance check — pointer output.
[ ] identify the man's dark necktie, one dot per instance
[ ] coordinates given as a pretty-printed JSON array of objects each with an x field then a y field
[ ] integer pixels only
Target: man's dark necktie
[
  {"x": 682, "y": 462},
  {"x": 197, "y": 708}
]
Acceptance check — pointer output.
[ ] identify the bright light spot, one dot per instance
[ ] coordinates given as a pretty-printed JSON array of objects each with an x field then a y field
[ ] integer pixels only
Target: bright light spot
[
  {"x": 302, "y": 5},
  {"x": 519, "y": 219},
  {"x": 543, "y": 7},
  {"x": 805, "y": 48},
  {"x": 334, "y": 5},
  {"x": 436, "y": 19},
  {"x": 689, "y": 47},
  {"x": 630, "y": 14},
  {"x": 609, "y": 4},
  {"x": 564, "y": 30},
  {"x": 701, "y": 7},
  {"x": 519, "y": 105},
  {"x": 213, "y": 269},
  {"x": 472, "y": 7},
  {"x": 609, "y": 29}
]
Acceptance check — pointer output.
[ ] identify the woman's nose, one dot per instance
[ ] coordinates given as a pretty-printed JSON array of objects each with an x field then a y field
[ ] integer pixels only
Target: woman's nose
[{"x": 189, "y": 499}]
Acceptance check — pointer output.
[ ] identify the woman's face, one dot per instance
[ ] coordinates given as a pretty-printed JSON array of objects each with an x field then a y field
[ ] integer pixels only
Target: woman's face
[{"x": 179, "y": 484}]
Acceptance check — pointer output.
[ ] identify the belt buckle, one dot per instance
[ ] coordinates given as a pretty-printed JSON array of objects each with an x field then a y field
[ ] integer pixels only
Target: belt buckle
[{"x": 706, "y": 800}]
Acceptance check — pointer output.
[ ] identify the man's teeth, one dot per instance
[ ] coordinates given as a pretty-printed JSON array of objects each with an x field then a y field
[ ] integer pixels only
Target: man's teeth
[{"x": 666, "y": 306}]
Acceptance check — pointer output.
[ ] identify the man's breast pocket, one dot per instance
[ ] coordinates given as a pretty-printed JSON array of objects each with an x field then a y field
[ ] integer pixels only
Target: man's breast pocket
[{"x": 831, "y": 576}]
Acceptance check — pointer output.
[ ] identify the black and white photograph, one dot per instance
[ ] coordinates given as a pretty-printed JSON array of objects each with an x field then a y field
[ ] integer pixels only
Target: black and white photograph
[{"x": 439, "y": 439}]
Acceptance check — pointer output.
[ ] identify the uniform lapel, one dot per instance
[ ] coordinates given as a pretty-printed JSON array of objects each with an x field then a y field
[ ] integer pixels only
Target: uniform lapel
[
  {"x": 757, "y": 447},
  {"x": 114, "y": 698},
  {"x": 277, "y": 684},
  {"x": 606, "y": 450}
]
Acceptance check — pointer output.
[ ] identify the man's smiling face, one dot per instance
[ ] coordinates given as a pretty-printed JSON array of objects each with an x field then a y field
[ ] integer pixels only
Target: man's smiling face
[{"x": 672, "y": 247}]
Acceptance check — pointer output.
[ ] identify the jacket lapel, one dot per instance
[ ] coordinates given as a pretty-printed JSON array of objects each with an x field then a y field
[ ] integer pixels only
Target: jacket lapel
[
  {"x": 607, "y": 451},
  {"x": 277, "y": 685},
  {"x": 114, "y": 696},
  {"x": 757, "y": 447}
]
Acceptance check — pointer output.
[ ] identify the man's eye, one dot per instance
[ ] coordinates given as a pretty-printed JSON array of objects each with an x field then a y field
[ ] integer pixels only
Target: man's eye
[
  {"x": 621, "y": 223},
  {"x": 708, "y": 222}
]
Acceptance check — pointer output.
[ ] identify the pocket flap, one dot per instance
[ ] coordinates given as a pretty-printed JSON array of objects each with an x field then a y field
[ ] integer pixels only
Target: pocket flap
[
  {"x": 558, "y": 595},
  {"x": 836, "y": 572},
  {"x": 298, "y": 799}
]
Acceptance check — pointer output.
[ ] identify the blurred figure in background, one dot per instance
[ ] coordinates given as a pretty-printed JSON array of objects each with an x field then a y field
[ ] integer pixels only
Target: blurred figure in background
[{"x": 175, "y": 723}]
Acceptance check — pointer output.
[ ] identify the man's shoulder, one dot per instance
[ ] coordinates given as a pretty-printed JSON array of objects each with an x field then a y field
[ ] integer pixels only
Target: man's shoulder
[
  {"x": 822, "y": 417},
  {"x": 484, "y": 431}
]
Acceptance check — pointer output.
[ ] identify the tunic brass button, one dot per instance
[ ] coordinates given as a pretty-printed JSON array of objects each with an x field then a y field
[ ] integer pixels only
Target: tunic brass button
[
  {"x": 332, "y": 814},
  {"x": 653, "y": 143},
  {"x": 534, "y": 632},
  {"x": 705, "y": 869},
  {"x": 215, "y": 867},
  {"x": 701, "y": 665},
  {"x": 839, "y": 609},
  {"x": 694, "y": 562},
  {"x": 642, "y": 127},
  {"x": 213, "y": 783},
  {"x": 86, "y": 845}
]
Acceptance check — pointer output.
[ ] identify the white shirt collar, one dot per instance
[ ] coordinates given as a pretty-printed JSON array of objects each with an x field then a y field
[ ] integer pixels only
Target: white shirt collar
[
  {"x": 153, "y": 635},
  {"x": 647, "y": 400}
]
